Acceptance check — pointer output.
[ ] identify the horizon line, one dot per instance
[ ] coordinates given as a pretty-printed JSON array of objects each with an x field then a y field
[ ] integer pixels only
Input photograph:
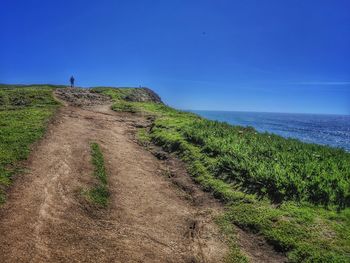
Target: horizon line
[{"x": 278, "y": 112}]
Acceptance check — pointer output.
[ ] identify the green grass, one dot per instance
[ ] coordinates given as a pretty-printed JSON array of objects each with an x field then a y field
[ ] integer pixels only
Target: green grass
[
  {"x": 24, "y": 113},
  {"x": 296, "y": 195},
  {"x": 143, "y": 137},
  {"x": 124, "y": 106},
  {"x": 235, "y": 255},
  {"x": 117, "y": 94},
  {"x": 99, "y": 194}
]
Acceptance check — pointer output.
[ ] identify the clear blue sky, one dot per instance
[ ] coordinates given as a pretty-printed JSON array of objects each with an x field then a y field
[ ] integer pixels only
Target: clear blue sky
[{"x": 271, "y": 55}]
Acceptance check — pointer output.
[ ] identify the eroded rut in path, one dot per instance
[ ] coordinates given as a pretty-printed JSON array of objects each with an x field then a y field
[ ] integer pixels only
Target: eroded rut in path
[{"x": 147, "y": 220}]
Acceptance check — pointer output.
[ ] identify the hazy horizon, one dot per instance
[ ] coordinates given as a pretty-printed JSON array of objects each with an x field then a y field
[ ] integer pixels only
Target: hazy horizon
[{"x": 275, "y": 112}]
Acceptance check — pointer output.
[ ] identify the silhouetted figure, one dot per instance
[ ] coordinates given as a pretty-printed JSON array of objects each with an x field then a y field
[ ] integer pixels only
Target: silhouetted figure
[{"x": 72, "y": 81}]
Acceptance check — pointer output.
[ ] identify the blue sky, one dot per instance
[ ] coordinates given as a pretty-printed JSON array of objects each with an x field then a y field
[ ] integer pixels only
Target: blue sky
[{"x": 273, "y": 55}]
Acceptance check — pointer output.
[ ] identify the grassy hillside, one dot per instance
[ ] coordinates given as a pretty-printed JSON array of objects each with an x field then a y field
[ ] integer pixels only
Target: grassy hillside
[
  {"x": 296, "y": 195},
  {"x": 24, "y": 112}
]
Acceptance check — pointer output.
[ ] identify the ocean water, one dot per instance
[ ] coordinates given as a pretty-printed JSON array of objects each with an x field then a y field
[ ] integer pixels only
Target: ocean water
[{"x": 332, "y": 130}]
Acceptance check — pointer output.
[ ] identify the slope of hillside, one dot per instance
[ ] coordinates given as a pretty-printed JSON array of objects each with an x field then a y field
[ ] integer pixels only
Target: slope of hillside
[
  {"x": 49, "y": 215},
  {"x": 294, "y": 194},
  {"x": 144, "y": 207}
]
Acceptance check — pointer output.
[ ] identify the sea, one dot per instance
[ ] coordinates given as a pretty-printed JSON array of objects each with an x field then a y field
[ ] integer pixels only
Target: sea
[{"x": 331, "y": 130}]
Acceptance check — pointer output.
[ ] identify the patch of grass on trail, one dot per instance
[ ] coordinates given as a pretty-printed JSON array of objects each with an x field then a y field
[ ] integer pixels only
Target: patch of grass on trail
[
  {"x": 24, "y": 114},
  {"x": 99, "y": 193},
  {"x": 296, "y": 195}
]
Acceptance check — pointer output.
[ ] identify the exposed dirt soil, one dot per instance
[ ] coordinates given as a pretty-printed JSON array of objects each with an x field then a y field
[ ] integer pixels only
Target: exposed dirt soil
[
  {"x": 81, "y": 97},
  {"x": 155, "y": 213}
]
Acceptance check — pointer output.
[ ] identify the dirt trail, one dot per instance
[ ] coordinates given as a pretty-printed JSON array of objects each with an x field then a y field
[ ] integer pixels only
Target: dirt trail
[{"x": 149, "y": 218}]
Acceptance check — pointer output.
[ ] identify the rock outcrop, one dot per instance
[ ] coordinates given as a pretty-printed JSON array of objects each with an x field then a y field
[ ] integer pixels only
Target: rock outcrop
[{"x": 143, "y": 95}]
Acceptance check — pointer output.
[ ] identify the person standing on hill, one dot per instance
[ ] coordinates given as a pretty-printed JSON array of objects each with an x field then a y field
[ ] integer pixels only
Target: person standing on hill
[{"x": 72, "y": 81}]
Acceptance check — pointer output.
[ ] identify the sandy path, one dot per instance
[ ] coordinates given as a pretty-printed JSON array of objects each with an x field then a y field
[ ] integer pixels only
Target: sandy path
[{"x": 148, "y": 219}]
